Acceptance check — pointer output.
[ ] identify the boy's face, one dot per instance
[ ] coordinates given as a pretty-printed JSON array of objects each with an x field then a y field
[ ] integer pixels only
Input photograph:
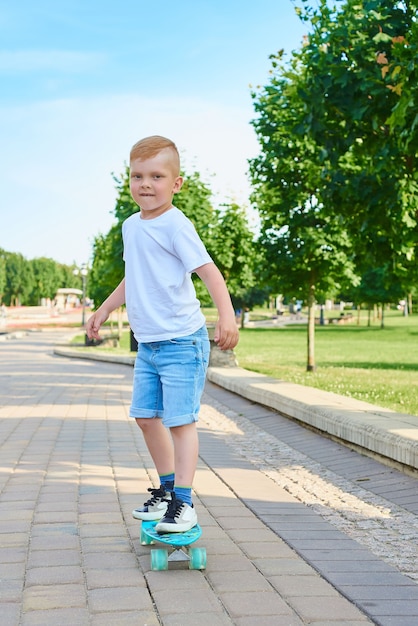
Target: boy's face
[{"x": 153, "y": 182}]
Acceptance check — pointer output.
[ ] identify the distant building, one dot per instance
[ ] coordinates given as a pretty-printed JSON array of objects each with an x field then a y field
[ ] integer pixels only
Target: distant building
[{"x": 67, "y": 298}]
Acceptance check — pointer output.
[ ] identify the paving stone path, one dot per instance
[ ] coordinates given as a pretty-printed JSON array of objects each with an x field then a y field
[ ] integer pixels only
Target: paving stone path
[
  {"x": 286, "y": 514},
  {"x": 387, "y": 529}
]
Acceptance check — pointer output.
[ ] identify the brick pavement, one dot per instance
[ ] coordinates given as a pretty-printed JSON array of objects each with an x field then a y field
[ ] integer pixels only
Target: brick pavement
[{"x": 72, "y": 466}]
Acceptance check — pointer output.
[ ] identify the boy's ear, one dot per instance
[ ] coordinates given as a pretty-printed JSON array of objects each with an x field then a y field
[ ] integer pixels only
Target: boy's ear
[{"x": 178, "y": 184}]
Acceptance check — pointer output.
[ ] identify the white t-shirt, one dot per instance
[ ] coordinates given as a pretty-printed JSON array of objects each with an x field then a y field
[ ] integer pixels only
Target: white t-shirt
[{"x": 160, "y": 254}]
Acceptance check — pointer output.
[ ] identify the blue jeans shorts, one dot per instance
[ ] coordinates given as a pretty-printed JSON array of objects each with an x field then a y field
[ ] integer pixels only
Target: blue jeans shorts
[{"x": 169, "y": 377}]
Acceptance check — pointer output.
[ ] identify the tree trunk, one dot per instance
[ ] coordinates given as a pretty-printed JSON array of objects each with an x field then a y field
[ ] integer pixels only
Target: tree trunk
[{"x": 311, "y": 330}]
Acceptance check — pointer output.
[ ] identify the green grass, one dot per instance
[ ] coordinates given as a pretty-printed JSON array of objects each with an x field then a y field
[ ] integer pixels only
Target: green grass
[
  {"x": 368, "y": 363},
  {"x": 377, "y": 365}
]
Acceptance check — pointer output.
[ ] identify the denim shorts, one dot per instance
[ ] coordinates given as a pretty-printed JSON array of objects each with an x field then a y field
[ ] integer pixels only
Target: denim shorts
[{"x": 169, "y": 377}]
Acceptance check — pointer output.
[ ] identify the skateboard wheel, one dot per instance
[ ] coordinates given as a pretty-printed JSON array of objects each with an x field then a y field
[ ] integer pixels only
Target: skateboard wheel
[
  {"x": 159, "y": 560},
  {"x": 145, "y": 539},
  {"x": 197, "y": 558}
]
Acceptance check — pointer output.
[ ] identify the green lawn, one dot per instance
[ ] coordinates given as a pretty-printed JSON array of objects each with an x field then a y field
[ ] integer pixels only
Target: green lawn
[{"x": 369, "y": 363}]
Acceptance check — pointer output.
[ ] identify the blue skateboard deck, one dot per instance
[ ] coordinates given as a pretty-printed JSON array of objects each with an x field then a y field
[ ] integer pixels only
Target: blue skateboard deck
[{"x": 178, "y": 542}]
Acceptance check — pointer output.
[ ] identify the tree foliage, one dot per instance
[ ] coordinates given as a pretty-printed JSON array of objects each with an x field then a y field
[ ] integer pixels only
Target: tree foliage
[
  {"x": 235, "y": 254},
  {"x": 19, "y": 279},
  {"x": 3, "y": 278},
  {"x": 108, "y": 267},
  {"x": 47, "y": 278},
  {"x": 359, "y": 87},
  {"x": 307, "y": 252},
  {"x": 29, "y": 282},
  {"x": 336, "y": 180}
]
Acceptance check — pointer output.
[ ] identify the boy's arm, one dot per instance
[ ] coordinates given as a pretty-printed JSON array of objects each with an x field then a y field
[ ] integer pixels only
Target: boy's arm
[
  {"x": 114, "y": 301},
  {"x": 226, "y": 331}
]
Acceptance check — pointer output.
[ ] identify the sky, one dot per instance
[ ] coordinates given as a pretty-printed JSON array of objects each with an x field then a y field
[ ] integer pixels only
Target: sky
[{"x": 83, "y": 80}]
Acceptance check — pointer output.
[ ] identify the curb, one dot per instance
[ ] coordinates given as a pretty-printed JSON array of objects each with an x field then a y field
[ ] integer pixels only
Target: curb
[{"x": 373, "y": 429}]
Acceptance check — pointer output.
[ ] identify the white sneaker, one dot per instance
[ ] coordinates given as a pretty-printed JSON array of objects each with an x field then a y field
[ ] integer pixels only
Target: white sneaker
[
  {"x": 180, "y": 517},
  {"x": 156, "y": 507}
]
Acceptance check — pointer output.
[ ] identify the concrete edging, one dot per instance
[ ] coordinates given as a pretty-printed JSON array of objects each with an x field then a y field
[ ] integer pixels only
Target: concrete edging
[
  {"x": 95, "y": 356},
  {"x": 381, "y": 431}
]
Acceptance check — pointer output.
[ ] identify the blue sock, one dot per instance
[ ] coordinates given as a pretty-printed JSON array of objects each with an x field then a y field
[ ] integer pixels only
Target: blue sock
[
  {"x": 184, "y": 494},
  {"x": 167, "y": 481}
]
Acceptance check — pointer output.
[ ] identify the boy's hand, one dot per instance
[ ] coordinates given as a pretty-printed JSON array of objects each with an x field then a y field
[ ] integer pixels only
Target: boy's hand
[
  {"x": 94, "y": 323},
  {"x": 226, "y": 334}
]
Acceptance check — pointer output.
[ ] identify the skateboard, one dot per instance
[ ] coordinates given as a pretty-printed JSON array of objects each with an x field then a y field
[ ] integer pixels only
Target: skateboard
[{"x": 179, "y": 544}]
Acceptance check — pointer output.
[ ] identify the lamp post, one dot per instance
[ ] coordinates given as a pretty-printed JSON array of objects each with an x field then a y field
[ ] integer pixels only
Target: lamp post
[{"x": 82, "y": 271}]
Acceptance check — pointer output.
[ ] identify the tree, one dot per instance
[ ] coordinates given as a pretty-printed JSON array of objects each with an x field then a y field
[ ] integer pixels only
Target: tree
[
  {"x": 108, "y": 267},
  {"x": 195, "y": 200},
  {"x": 326, "y": 126},
  {"x": 377, "y": 287},
  {"x": 46, "y": 279},
  {"x": 67, "y": 276},
  {"x": 24, "y": 282},
  {"x": 358, "y": 94},
  {"x": 308, "y": 252},
  {"x": 234, "y": 252},
  {"x": 2, "y": 274},
  {"x": 19, "y": 279}
]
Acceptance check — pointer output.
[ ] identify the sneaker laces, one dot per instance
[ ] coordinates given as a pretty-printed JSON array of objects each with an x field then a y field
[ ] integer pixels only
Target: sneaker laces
[
  {"x": 174, "y": 508},
  {"x": 156, "y": 494}
]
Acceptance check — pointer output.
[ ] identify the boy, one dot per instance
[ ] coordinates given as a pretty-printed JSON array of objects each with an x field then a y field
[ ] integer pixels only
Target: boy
[{"x": 161, "y": 250}]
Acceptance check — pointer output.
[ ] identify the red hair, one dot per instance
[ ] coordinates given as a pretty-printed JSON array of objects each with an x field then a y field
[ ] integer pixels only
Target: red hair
[{"x": 149, "y": 147}]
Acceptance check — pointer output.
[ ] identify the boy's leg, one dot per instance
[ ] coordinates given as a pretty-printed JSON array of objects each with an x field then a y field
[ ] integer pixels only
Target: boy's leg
[
  {"x": 179, "y": 451},
  {"x": 147, "y": 408},
  {"x": 182, "y": 390},
  {"x": 181, "y": 515},
  {"x": 159, "y": 444},
  {"x": 160, "y": 447},
  {"x": 186, "y": 450}
]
